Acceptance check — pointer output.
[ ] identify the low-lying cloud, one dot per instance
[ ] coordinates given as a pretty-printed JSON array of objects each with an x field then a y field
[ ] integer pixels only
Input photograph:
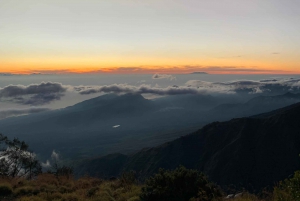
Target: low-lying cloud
[
  {"x": 46, "y": 92},
  {"x": 34, "y": 94},
  {"x": 18, "y": 112},
  {"x": 142, "y": 89},
  {"x": 54, "y": 160},
  {"x": 272, "y": 86}
]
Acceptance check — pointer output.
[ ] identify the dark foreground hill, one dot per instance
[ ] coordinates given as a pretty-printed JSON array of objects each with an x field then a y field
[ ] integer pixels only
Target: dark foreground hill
[{"x": 247, "y": 152}]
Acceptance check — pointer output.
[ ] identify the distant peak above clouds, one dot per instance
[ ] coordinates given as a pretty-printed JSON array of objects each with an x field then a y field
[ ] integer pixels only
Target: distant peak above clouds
[
  {"x": 163, "y": 76},
  {"x": 200, "y": 73}
]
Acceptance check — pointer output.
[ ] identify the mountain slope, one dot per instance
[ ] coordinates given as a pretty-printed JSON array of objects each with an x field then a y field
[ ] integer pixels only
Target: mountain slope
[
  {"x": 256, "y": 105},
  {"x": 87, "y": 128},
  {"x": 247, "y": 152}
]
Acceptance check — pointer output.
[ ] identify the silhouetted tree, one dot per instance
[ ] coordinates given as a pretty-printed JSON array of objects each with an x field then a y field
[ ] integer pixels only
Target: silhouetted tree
[
  {"x": 128, "y": 178},
  {"x": 63, "y": 171},
  {"x": 179, "y": 185},
  {"x": 16, "y": 160}
]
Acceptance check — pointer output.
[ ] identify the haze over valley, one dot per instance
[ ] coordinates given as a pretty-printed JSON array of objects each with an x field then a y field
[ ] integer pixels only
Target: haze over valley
[{"x": 124, "y": 118}]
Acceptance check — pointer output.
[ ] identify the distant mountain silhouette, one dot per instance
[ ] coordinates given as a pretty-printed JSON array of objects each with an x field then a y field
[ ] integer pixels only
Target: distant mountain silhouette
[
  {"x": 205, "y": 73},
  {"x": 193, "y": 102},
  {"x": 88, "y": 129},
  {"x": 256, "y": 105},
  {"x": 249, "y": 152}
]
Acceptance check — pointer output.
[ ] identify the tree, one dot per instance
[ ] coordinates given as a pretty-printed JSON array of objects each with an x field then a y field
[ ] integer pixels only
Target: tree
[
  {"x": 64, "y": 170},
  {"x": 16, "y": 160},
  {"x": 179, "y": 185}
]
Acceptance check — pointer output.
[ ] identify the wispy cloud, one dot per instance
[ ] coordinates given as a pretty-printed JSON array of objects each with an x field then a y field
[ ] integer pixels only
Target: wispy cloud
[
  {"x": 54, "y": 160},
  {"x": 46, "y": 164},
  {"x": 18, "y": 112}
]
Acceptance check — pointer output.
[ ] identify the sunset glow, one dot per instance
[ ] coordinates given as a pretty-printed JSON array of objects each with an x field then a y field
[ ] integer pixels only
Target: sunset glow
[{"x": 141, "y": 37}]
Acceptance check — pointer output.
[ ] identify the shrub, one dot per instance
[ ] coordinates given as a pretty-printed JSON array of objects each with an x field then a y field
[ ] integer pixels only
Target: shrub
[
  {"x": 91, "y": 192},
  {"x": 105, "y": 195},
  {"x": 54, "y": 196},
  {"x": 179, "y": 185},
  {"x": 32, "y": 198},
  {"x": 65, "y": 189},
  {"x": 26, "y": 190},
  {"x": 5, "y": 189},
  {"x": 128, "y": 178},
  {"x": 288, "y": 189},
  {"x": 69, "y": 197},
  {"x": 135, "y": 198}
]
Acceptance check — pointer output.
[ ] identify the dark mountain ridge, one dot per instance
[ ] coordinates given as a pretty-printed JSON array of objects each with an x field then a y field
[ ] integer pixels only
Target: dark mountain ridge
[
  {"x": 248, "y": 152},
  {"x": 256, "y": 105},
  {"x": 86, "y": 129}
]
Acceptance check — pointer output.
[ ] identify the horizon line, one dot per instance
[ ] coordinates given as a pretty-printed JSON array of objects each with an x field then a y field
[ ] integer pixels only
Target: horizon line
[{"x": 186, "y": 69}]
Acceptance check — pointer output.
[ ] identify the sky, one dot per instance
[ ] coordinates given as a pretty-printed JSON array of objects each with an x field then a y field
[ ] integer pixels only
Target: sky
[{"x": 146, "y": 37}]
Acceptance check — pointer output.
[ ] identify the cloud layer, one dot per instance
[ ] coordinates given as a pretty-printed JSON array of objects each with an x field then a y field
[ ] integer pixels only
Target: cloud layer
[
  {"x": 142, "y": 89},
  {"x": 34, "y": 94},
  {"x": 46, "y": 92},
  {"x": 17, "y": 112},
  {"x": 272, "y": 86}
]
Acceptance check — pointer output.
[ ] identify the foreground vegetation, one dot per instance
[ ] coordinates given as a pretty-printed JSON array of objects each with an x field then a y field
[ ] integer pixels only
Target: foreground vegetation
[
  {"x": 178, "y": 185},
  {"x": 21, "y": 179},
  {"x": 48, "y": 187}
]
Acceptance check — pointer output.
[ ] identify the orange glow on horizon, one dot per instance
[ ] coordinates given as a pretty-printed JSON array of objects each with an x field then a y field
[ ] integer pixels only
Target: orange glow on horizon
[
  {"x": 143, "y": 70},
  {"x": 167, "y": 66}
]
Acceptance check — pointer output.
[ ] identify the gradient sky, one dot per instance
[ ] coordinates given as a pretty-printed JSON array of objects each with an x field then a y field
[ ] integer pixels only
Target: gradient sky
[{"x": 139, "y": 36}]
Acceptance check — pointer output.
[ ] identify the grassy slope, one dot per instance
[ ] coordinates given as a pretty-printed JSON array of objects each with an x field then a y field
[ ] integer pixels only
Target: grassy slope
[{"x": 48, "y": 187}]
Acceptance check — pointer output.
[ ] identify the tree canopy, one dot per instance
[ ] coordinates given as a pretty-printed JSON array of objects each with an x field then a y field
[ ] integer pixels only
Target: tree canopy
[
  {"x": 16, "y": 160},
  {"x": 180, "y": 184}
]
